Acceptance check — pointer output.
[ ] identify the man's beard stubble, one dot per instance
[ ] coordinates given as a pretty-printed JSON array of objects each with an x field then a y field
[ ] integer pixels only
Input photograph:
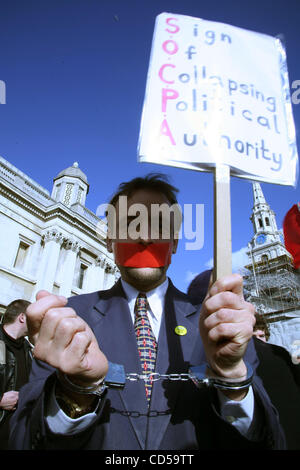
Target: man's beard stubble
[{"x": 143, "y": 279}]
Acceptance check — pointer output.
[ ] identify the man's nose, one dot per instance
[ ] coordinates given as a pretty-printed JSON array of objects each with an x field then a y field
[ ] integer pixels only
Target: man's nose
[{"x": 145, "y": 239}]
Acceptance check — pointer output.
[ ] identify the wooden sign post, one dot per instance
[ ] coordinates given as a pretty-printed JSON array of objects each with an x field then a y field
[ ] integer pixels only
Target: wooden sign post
[{"x": 222, "y": 220}]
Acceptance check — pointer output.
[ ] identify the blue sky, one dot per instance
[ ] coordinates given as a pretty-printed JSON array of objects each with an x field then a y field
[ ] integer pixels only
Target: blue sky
[{"x": 75, "y": 74}]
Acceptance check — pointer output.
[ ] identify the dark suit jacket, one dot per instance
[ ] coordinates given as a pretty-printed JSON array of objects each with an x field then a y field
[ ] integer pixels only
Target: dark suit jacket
[
  {"x": 281, "y": 379},
  {"x": 180, "y": 416}
]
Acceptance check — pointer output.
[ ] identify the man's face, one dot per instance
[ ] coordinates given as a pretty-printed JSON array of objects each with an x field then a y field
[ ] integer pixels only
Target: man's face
[{"x": 149, "y": 230}]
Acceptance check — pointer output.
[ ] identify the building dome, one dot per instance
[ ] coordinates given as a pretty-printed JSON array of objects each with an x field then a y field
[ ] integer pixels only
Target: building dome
[
  {"x": 70, "y": 186},
  {"x": 73, "y": 171}
]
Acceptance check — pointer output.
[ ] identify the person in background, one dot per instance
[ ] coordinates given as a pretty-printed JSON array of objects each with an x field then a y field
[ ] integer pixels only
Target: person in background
[
  {"x": 261, "y": 329},
  {"x": 15, "y": 363}
]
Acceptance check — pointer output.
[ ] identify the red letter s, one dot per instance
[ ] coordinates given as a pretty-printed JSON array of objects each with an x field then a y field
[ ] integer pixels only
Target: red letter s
[{"x": 175, "y": 26}]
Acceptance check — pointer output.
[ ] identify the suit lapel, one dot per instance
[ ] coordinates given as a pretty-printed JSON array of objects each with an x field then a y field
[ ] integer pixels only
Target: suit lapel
[
  {"x": 174, "y": 353},
  {"x": 115, "y": 333}
]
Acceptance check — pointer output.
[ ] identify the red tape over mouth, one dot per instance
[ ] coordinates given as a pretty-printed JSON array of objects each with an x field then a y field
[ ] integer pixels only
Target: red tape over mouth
[{"x": 137, "y": 255}]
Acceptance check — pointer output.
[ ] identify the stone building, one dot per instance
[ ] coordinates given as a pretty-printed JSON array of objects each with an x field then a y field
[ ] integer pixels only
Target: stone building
[{"x": 50, "y": 241}]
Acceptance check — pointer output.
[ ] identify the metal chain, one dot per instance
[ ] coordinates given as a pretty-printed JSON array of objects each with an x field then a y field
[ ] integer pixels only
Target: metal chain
[
  {"x": 133, "y": 377},
  {"x": 116, "y": 377}
]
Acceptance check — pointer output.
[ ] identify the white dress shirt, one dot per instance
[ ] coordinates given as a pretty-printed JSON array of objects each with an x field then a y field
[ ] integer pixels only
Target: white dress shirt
[
  {"x": 238, "y": 413},
  {"x": 156, "y": 300}
]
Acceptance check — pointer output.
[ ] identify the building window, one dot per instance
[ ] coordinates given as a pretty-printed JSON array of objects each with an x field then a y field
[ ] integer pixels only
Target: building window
[
  {"x": 57, "y": 192},
  {"x": 69, "y": 187},
  {"x": 21, "y": 255},
  {"x": 267, "y": 221},
  {"x": 81, "y": 275},
  {"x": 260, "y": 222},
  {"x": 79, "y": 195}
]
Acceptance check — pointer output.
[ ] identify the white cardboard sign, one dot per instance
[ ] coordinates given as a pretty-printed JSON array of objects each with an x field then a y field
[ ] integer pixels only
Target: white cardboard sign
[{"x": 218, "y": 94}]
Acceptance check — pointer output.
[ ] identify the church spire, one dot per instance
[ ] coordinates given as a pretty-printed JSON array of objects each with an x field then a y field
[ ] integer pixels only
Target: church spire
[
  {"x": 267, "y": 241},
  {"x": 258, "y": 196},
  {"x": 263, "y": 218}
]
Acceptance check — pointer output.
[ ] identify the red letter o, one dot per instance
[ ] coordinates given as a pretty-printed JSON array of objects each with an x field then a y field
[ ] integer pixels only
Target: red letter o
[{"x": 166, "y": 48}]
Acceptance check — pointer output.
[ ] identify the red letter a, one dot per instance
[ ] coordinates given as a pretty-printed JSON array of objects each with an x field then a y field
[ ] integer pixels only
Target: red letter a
[{"x": 165, "y": 130}]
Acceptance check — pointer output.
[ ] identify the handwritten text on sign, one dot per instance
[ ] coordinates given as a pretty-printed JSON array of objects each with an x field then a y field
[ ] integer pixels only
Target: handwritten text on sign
[{"x": 217, "y": 93}]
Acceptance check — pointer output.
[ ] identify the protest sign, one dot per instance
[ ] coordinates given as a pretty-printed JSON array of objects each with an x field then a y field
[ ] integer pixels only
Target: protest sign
[
  {"x": 217, "y": 99},
  {"x": 218, "y": 94}
]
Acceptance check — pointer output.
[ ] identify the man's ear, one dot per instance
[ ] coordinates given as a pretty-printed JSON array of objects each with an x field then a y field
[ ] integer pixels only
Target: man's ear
[{"x": 109, "y": 244}]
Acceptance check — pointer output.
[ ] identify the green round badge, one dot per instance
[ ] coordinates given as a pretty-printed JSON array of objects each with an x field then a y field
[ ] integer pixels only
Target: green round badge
[{"x": 180, "y": 330}]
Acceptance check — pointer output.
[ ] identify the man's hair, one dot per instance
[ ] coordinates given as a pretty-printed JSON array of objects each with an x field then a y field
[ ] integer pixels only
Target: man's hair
[
  {"x": 156, "y": 182},
  {"x": 153, "y": 181},
  {"x": 14, "y": 309},
  {"x": 261, "y": 324}
]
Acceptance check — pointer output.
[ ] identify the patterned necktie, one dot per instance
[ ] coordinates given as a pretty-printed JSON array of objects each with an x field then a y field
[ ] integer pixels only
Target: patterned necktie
[{"x": 147, "y": 346}]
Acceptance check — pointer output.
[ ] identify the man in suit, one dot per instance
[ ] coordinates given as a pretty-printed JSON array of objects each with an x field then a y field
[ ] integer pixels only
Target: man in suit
[{"x": 147, "y": 325}]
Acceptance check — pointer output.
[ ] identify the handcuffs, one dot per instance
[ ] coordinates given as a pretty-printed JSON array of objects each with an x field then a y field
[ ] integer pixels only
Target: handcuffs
[{"x": 116, "y": 378}]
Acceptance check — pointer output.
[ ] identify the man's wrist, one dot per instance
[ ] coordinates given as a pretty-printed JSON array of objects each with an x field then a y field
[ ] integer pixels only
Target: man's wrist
[
  {"x": 96, "y": 388},
  {"x": 235, "y": 395},
  {"x": 238, "y": 371},
  {"x": 203, "y": 375},
  {"x": 74, "y": 404},
  {"x": 77, "y": 400}
]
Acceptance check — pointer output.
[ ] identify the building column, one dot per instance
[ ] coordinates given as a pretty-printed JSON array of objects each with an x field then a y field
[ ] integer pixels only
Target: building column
[
  {"x": 100, "y": 276},
  {"x": 95, "y": 276},
  {"x": 72, "y": 248},
  {"x": 48, "y": 264}
]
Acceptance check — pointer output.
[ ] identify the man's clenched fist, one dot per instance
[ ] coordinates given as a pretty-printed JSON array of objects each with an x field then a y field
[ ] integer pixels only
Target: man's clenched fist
[{"x": 64, "y": 340}]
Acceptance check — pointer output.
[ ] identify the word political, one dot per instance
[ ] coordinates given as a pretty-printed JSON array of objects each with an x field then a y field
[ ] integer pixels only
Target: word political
[
  {"x": 2, "y": 92},
  {"x": 162, "y": 223}
]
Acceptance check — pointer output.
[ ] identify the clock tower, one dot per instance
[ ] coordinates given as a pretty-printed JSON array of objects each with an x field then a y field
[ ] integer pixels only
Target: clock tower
[{"x": 267, "y": 243}]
